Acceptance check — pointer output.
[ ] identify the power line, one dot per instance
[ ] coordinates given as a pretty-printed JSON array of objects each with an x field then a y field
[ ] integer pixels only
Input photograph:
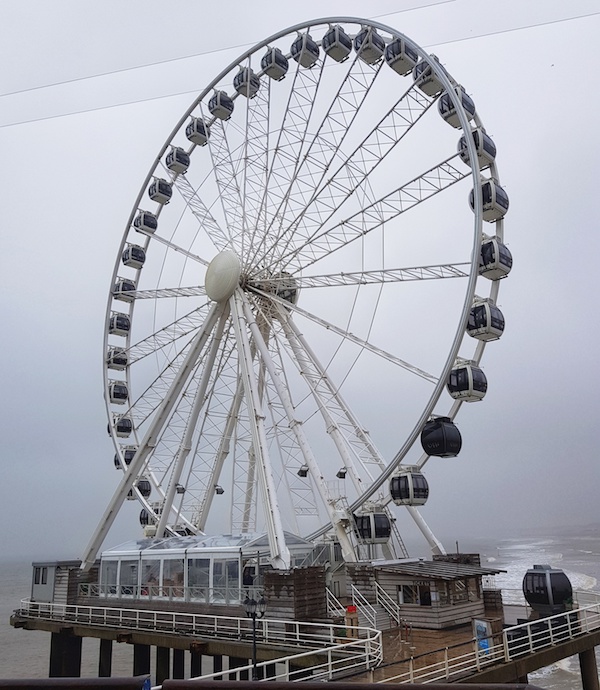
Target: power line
[
  {"x": 183, "y": 93},
  {"x": 183, "y": 57}
]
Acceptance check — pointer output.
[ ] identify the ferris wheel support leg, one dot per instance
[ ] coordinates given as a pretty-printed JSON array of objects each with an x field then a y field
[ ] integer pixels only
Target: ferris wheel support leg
[
  {"x": 186, "y": 443},
  {"x": 436, "y": 546},
  {"x": 280, "y": 555},
  {"x": 298, "y": 431},
  {"x": 150, "y": 439}
]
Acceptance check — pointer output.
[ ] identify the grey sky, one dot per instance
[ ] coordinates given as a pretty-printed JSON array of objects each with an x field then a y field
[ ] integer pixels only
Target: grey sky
[{"x": 530, "y": 449}]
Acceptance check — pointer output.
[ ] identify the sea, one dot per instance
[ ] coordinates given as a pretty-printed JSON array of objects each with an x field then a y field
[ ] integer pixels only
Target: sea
[{"x": 576, "y": 550}]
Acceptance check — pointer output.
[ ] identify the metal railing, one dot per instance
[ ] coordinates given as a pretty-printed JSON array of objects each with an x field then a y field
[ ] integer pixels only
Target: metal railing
[
  {"x": 338, "y": 654},
  {"x": 466, "y": 658},
  {"x": 148, "y": 592},
  {"x": 335, "y": 608},
  {"x": 385, "y": 601},
  {"x": 366, "y": 608}
]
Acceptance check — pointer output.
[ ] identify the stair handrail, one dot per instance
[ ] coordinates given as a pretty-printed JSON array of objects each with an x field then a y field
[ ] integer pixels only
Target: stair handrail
[
  {"x": 366, "y": 608},
  {"x": 388, "y": 603},
  {"x": 334, "y": 605}
]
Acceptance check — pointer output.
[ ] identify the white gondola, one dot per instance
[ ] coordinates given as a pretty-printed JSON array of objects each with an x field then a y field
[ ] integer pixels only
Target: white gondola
[
  {"x": 467, "y": 382},
  {"x": 178, "y": 160},
  {"x": 441, "y": 438},
  {"x": 369, "y": 45},
  {"x": 486, "y": 321},
  {"x": 373, "y": 527},
  {"x": 246, "y": 82},
  {"x": 409, "y": 487},
  {"x": 128, "y": 455},
  {"x": 123, "y": 426},
  {"x": 119, "y": 324},
  {"x": 305, "y": 51},
  {"x": 221, "y": 105},
  {"x": 274, "y": 64},
  {"x": 146, "y": 221},
  {"x": 447, "y": 109},
  {"x": 133, "y": 256},
  {"x": 486, "y": 149},
  {"x": 337, "y": 44},
  {"x": 117, "y": 359},
  {"x": 495, "y": 201},
  {"x": 124, "y": 289},
  {"x": 425, "y": 78},
  {"x": 400, "y": 56},
  {"x": 495, "y": 259},
  {"x": 197, "y": 131},
  {"x": 160, "y": 191},
  {"x": 118, "y": 392}
]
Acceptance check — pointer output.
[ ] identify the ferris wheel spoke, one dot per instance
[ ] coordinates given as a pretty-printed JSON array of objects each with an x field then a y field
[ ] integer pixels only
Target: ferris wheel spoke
[
  {"x": 176, "y": 248},
  {"x": 352, "y": 173},
  {"x": 199, "y": 209},
  {"x": 160, "y": 293},
  {"x": 306, "y": 172},
  {"x": 186, "y": 442},
  {"x": 419, "y": 189}
]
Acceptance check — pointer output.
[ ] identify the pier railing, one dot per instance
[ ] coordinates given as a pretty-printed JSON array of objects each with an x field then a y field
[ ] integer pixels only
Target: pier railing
[
  {"x": 336, "y": 653},
  {"x": 458, "y": 661}
]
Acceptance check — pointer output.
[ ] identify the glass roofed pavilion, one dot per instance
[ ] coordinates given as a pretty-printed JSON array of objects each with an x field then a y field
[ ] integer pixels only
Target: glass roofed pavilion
[{"x": 204, "y": 569}]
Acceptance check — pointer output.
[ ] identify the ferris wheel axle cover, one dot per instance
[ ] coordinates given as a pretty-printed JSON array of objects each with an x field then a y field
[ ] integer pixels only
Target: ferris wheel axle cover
[{"x": 222, "y": 276}]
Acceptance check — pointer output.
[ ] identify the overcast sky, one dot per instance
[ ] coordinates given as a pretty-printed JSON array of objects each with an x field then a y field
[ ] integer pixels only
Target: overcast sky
[{"x": 70, "y": 180}]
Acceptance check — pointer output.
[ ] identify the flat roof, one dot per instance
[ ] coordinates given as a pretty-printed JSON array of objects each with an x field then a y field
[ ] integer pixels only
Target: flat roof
[{"x": 437, "y": 570}]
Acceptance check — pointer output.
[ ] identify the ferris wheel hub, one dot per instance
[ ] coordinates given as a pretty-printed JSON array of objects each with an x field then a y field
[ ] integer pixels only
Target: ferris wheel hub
[{"x": 222, "y": 276}]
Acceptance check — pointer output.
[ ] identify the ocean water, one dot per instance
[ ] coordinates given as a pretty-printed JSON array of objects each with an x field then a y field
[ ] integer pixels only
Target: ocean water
[{"x": 25, "y": 654}]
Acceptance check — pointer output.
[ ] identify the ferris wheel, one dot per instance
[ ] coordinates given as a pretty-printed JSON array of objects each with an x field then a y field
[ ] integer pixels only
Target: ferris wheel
[{"x": 303, "y": 293}]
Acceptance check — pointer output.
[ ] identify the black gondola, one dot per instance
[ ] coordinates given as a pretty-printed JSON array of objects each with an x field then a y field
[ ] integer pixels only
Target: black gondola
[
  {"x": 128, "y": 454},
  {"x": 547, "y": 590},
  {"x": 369, "y": 45},
  {"x": 144, "y": 487},
  {"x": 467, "y": 382},
  {"x": 123, "y": 426},
  {"x": 144, "y": 518},
  {"x": 246, "y": 83},
  {"x": 373, "y": 528},
  {"x": 447, "y": 109},
  {"x": 221, "y": 105},
  {"x": 119, "y": 324},
  {"x": 287, "y": 288},
  {"x": 178, "y": 160},
  {"x": 146, "y": 221},
  {"x": 440, "y": 437},
  {"x": 495, "y": 259},
  {"x": 118, "y": 393},
  {"x": 486, "y": 321},
  {"x": 409, "y": 487},
  {"x": 274, "y": 64},
  {"x": 337, "y": 44},
  {"x": 305, "y": 51},
  {"x": 425, "y": 79},
  {"x": 117, "y": 358},
  {"x": 133, "y": 256},
  {"x": 400, "y": 56},
  {"x": 197, "y": 131},
  {"x": 486, "y": 149},
  {"x": 123, "y": 290},
  {"x": 495, "y": 201},
  {"x": 160, "y": 191}
]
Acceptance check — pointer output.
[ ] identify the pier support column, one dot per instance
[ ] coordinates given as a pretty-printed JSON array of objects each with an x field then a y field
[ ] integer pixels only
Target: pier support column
[
  {"x": 163, "y": 664},
  {"x": 217, "y": 664},
  {"x": 589, "y": 670},
  {"x": 141, "y": 660},
  {"x": 178, "y": 663},
  {"x": 236, "y": 662},
  {"x": 105, "y": 659},
  {"x": 195, "y": 664},
  {"x": 65, "y": 655}
]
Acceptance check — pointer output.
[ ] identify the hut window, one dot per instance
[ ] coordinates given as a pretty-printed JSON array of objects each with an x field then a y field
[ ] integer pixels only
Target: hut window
[
  {"x": 173, "y": 577},
  {"x": 198, "y": 577},
  {"x": 128, "y": 576},
  {"x": 407, "y": 594},
  {"x": 150, "y": 576},
  {"x": 109, "y": 577},
  {"x": 460, "y": 592},
  {"x": 424, "y": 595}
]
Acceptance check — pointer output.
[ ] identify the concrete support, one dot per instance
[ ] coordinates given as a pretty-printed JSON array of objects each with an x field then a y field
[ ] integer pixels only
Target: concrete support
[
  {"x": 195, "y": 664},
  {"x": 163, "y": 664},
  {"x": 178, "y": 663},
  {"x": 270, "y": 670},
  {"x": 65, "y": 655},
  {"x": 141, "y": 660},
  {"x": 589, "y": 669},
  {"x": 105, "y": 659}
]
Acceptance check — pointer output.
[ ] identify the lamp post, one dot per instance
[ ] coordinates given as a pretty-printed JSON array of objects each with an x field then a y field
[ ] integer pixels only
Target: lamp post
[{"x": 254, "y": 609}]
